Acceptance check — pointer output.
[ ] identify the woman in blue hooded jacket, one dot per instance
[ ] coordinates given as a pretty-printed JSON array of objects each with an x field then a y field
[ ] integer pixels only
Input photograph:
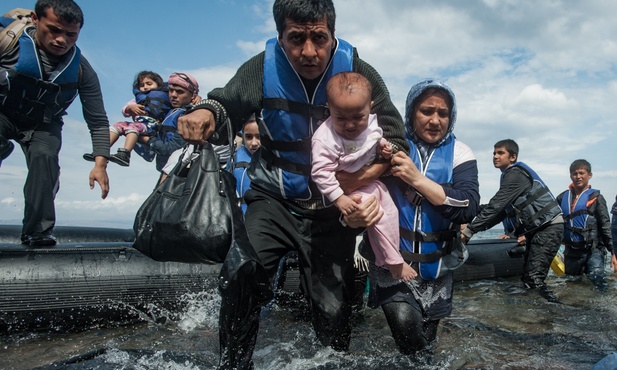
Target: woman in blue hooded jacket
[{"x": 436, "y": 190}]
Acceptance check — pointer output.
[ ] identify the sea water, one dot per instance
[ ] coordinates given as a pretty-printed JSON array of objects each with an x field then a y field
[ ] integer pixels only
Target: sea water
[{"x": 495, "y": 324}]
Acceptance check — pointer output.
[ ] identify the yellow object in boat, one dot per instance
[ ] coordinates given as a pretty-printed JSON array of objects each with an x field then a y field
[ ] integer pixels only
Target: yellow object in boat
[{"x": 559, "y": 268}]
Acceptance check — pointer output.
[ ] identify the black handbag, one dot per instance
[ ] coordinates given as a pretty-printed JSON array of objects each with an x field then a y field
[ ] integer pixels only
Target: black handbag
[{"x": 190, "y": 216}]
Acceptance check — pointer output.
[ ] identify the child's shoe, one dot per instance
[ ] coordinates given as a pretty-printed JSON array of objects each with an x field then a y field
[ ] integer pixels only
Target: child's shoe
[{"x": 123, "y": 157}]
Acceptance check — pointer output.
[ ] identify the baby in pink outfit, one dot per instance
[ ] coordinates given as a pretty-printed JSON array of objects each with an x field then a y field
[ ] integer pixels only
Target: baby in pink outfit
[{"x": 348, "y": 140}]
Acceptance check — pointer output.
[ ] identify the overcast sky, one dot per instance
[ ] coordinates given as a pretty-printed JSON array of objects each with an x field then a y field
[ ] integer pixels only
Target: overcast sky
[{"x": 540, "y": 72}]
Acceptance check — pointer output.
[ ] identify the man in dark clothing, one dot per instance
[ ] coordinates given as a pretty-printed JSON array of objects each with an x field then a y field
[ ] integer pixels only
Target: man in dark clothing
[
  {"x": 587, "y": 236},
  {"x": 528, "y": 208},
  {"x": 39, "y": 79},
  {"x": 285, "y": 87}
]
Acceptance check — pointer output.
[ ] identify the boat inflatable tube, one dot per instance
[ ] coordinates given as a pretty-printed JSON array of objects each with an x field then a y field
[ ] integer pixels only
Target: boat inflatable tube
[
  {"x": 76, "y": 284},
  {"x": 94, "y": 276},
  {"x": 491, "y": 258},
  {"x": 488, "y": 259}
]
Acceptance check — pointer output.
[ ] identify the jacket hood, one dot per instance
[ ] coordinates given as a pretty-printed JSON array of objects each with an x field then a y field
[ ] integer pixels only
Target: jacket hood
[{"x": 415, "y": 92}]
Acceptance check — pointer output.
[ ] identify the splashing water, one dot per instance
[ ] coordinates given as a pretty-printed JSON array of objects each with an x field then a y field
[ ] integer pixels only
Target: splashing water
[{"x": 495, "y": 324}]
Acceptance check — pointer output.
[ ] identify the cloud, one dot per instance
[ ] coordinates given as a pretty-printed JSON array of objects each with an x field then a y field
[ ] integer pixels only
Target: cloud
[
  {"x": 542, "y": 73},
  {"x": 535, "y": 97},
  {"x": 212, "y": 77},
  {"x": 8, "y": 200},
  {"x": 129, "y": 201}
]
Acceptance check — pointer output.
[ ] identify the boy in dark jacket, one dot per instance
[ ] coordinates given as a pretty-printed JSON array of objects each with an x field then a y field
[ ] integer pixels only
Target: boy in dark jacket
[{"x": 528, "y": 208}]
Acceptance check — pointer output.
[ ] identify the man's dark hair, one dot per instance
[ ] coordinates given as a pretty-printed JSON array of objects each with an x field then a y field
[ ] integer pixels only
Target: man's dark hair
[
  {"x": 510, "y": 145},
  {"x": 151, "y": 75},
  {"x": 580, "y": 164},
  {"x": 303, "y": 11},
  {"x": 67, "y": 10}
]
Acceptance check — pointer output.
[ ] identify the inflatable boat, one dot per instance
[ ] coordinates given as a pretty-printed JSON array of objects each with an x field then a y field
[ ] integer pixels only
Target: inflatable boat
[{"x": 93, "y": 276}]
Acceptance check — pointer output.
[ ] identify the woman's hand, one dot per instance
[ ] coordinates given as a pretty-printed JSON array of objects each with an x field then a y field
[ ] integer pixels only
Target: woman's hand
[{"x": 404, "y": 168}]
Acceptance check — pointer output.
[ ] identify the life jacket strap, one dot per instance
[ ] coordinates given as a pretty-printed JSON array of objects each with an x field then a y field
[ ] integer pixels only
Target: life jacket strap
[
  {"x": 576, "y": 213},
  {"x": 286, "y": 146},
  {"x": 318, "y": 112},
  {"x": 536, "y": 216},
  {"x": 417, "y": 236},
  {"x": 241, "y": 164},
  {"x": 284, "y": 164}
]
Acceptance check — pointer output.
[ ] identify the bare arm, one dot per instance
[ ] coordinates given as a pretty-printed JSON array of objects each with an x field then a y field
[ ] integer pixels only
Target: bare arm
[{"x": 352, "y": 181}]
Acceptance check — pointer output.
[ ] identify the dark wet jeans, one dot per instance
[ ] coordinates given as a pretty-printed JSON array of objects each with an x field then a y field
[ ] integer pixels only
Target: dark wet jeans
[
  {"x": 325, "y": 254},
  {"x": 542, "y": 246}
]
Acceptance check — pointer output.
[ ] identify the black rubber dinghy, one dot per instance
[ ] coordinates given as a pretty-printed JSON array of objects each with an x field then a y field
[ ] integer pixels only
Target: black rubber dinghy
[
  {"x": 488, "y": 259},
  {"x": 94, "y": 276}
]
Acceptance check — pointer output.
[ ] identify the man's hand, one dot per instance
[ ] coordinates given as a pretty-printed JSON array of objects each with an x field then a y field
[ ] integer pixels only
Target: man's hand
[
  {"x": 367, "y": 214},
  {"x": 465, "y": 234},
  {"x": 464, "y": 239},
  {"x": 99, "y": 174},
  {"x": 197, "y": 126},
  {"x": 613, "y": 262},
  {"x": 350, "y": 182}
]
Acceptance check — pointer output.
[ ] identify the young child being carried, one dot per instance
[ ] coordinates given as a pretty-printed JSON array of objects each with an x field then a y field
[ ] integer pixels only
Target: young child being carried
[
  {"x": 148, "y": 109},
  {"x": 348, "y": 140}
]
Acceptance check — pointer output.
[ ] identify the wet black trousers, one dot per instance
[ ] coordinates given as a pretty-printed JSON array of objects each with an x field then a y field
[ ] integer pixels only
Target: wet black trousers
[
  {"x": 542, "y": 246},
  {"x": 588, "y": 261},
  {"x": 41, "y": 148},
  {"x": 325, "y": 253},
  {"x": 410, "y": 330}
]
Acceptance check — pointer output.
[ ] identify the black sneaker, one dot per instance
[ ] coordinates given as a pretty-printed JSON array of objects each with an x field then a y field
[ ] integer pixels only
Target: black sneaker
[
  {"x": 39, "y": 240},
  {"x": 123, "y": 157},
  {"x": 6, "y": 148},
  {"x": 89, "y": 157}
]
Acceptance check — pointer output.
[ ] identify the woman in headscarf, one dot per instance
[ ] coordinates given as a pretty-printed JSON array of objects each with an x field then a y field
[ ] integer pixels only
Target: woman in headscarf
[{"x": 436, "y": 190}]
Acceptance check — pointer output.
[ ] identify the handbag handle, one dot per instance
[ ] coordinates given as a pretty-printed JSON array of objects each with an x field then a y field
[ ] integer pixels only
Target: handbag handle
[{"x": 208, "y": 157}]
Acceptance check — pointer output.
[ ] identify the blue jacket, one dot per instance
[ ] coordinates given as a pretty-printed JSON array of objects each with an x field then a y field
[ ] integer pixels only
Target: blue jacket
[
  {"x": 423, "y": 229},
  {"x": 166, "y": 141},
  {"x": 26, "y": 93},
  {"x": 243, "y": 183},
  {"x": 156, "y": 102},
  {"x": 283, "y": 164},
  {"x": 429, "y": 233},
  {"x": 580, "y": 224}
]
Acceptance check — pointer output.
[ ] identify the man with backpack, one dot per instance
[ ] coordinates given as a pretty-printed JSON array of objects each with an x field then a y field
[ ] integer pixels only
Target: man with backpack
[{"x": 39, "y": 78}]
